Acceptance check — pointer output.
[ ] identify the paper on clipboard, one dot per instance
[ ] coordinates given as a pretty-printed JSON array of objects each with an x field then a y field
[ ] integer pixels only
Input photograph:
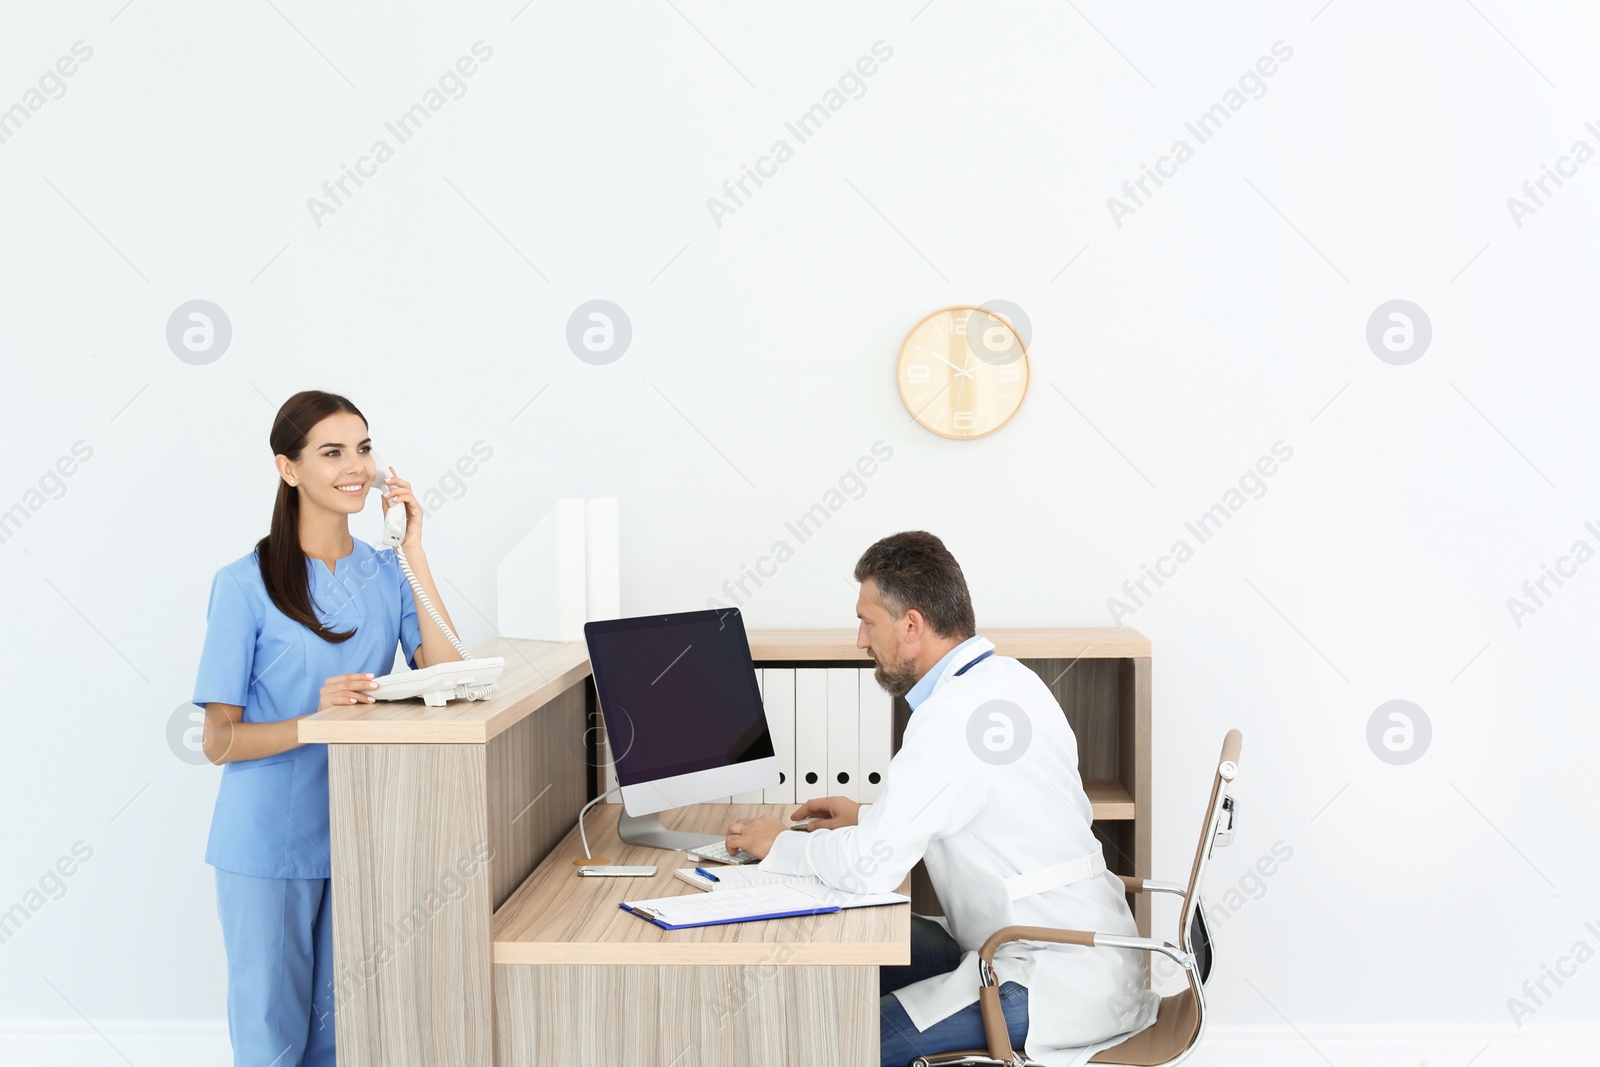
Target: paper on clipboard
[
  {"x": 826, "y": 895},
  {"x": 732, "y": 878},
  {"x": 729, "y": 906}
]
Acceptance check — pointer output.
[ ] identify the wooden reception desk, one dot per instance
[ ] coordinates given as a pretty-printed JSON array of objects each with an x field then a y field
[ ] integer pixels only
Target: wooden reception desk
[{"x": 461, "y": 935}]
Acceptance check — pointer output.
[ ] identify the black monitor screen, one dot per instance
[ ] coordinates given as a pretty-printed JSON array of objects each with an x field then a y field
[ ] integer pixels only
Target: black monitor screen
[{"x": 678, "y": 692}]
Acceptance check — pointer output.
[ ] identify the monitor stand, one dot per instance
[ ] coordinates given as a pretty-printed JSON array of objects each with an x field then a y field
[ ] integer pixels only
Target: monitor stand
[{"x": 647, "y": 830}]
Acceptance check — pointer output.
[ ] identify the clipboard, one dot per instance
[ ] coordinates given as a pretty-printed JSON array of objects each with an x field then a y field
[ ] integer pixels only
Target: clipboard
[{"x": 730, "y": 906}]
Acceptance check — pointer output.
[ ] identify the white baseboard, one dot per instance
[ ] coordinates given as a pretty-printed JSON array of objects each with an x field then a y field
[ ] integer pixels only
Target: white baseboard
[
  {"x": 117, "y": 1043},
  {"x": 1398, "y": 1045},
  {"x": 113, "y": 1043}
]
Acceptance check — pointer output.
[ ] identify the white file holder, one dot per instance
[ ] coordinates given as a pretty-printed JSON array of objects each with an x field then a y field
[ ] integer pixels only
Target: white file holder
[
  {"x": 602, "y": 555},
  {"x": 877, "y": 734},
  {"x": 542, "y": 581},
  {"x": 753, "y": 796},
  {"x": 777, "y": 693},
  {"x": 810, "y": 733},
  {"x": 844, "y": 732}
]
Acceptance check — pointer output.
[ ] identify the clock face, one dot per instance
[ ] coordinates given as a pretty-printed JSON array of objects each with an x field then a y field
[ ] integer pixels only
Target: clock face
[{"x": 963, "y": 372}]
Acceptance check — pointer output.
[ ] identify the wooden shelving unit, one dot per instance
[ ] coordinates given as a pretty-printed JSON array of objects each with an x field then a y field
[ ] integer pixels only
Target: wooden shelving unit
[{"x": 1101, "y": 679}]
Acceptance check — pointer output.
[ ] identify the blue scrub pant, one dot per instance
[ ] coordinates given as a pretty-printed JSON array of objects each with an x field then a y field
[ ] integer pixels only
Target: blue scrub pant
[
  {"x": 278, "y": 933},
  {"x": 933, "y": 951}
]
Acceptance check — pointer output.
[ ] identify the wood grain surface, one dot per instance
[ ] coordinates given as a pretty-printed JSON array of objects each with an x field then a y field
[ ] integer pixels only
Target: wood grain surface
[
  {"x": 558, "y": 917},
  {"x": 676, "y": 1017},
  {"x": 411, "y": 916}
]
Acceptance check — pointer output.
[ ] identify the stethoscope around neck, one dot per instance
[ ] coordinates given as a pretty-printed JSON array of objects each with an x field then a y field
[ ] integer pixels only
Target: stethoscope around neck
[{"x": 974, "y": 662}]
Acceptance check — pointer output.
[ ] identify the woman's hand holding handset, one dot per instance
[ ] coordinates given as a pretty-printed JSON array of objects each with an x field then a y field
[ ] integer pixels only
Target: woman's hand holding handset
[{"x": 396, "y": 490}]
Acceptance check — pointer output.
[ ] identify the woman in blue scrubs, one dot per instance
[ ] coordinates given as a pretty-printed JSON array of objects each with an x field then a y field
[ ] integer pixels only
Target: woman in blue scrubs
[{"x": 301, "y": 624}]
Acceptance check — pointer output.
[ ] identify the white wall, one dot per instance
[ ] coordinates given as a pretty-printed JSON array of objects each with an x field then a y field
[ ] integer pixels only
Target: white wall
[{"x": 1226, "y": 314}]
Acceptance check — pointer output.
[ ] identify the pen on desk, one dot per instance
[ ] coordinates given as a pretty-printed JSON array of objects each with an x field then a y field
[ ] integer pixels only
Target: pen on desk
[{"x": 706, "y": 874}]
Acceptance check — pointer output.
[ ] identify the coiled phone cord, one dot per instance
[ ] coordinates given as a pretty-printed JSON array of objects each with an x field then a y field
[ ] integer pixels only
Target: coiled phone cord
[{"x": 476, "y": 692}]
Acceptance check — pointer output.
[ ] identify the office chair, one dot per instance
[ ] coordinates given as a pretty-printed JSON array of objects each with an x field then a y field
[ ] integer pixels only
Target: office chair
[{"x": 1182, "y": 1017}]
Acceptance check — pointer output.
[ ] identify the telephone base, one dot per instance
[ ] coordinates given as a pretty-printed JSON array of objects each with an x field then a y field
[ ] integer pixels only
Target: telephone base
[{"x": 441, "y": 683}]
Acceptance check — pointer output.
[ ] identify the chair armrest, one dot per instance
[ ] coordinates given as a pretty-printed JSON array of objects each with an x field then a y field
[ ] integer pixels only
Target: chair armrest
[
  {"x": 1135, "y": 884},
  {"x": 1147, "y": 944},
  {"x": 1086, "y": 938}
]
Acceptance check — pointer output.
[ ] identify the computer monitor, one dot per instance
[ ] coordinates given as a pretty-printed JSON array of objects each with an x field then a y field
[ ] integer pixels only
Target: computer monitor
[{"x": 683, "y": 716}]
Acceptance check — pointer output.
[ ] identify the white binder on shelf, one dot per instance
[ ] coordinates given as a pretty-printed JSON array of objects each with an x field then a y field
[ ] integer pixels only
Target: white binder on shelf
[
  {"x": 811, "y": 733},
  {"x": 877, "y": 732},
  {"x": 602, "y": 559},
  {"x": 844, "y": 732},
  {"x": 542, "y": 582},
  {"x": 777, "y": 693},
  {"x": 753, "y": 796}
]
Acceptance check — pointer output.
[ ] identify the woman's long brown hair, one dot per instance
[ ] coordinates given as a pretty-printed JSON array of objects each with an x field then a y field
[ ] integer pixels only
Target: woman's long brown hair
[{"x": 282, "y": 560}]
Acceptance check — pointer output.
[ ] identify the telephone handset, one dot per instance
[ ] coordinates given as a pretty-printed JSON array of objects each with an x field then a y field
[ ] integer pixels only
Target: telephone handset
[
  {"x": 472, "y": 679},
  {"x": 394, "y": 520}
]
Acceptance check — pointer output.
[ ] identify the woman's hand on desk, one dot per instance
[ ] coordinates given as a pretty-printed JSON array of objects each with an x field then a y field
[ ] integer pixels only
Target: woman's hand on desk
[
  {"x": 346, "y": 689},
  {"x": 828, "y": 813}
]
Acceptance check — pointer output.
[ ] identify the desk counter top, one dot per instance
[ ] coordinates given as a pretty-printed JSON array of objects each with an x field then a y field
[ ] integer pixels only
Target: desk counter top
[
  {"x": 558, "y": 917},
  {"x": 537, "y": 672}
]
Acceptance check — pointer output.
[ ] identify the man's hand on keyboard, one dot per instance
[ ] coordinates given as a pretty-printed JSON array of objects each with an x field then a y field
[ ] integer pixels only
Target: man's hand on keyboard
[{"x": 755, "y": 835}]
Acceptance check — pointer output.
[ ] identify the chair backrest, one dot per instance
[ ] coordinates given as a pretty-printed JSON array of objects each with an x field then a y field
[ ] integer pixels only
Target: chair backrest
[
  {"x": 1181, "y": 1019},
  {"x": 1193, "y": 934}
]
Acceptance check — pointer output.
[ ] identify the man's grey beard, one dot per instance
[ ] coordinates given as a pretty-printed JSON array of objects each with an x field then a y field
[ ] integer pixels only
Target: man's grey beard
[{"x": 899, "y": 681}]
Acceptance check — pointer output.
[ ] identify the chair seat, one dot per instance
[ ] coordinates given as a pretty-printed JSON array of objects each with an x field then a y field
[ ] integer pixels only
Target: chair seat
[
  {"x": 1179, "y": 1018},
  {"x": 1177, "y": 1023},
  {"x": 1176, "y": 1026}
]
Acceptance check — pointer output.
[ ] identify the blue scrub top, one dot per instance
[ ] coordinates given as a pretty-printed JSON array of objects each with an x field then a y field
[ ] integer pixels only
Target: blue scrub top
[{"x": 271, "y": 816}]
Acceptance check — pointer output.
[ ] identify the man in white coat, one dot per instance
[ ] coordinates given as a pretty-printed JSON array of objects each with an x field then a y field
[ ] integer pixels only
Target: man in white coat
[{"x": 985, "y": 788}]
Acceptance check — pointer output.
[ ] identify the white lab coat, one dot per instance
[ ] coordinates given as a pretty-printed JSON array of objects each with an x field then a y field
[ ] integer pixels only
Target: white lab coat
[{"x": 1006, "y": 843}]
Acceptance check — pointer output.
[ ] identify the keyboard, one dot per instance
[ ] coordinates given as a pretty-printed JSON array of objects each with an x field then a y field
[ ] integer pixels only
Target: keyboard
[{"x": 717, "y": 852}]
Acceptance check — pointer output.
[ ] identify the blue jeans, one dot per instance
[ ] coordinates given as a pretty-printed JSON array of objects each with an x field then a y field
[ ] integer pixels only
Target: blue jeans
[{"x": 935, "y": 952}]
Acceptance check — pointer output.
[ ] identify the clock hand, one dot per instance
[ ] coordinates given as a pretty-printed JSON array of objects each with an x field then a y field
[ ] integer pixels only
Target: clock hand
[{"x": 961, "y": 372}]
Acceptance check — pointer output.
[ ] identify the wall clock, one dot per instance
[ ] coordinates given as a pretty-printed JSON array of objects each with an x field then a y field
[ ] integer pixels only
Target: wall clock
[{"x": 963, "y": 372}]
